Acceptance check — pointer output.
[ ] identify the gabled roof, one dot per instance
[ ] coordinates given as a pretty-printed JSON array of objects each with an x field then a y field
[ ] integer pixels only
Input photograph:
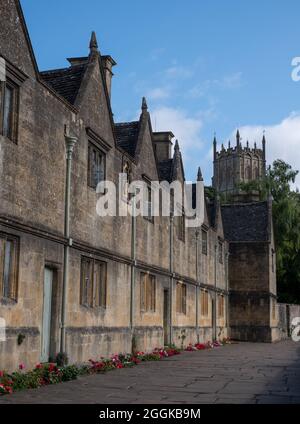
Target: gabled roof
[
  {"x": 27, "y": 37},
  {"x": 66, "y": 82},
  {"x": 127, "y": 136},
  {"x": 247, "y": 222},
  {"x": 165, "y": 170}
]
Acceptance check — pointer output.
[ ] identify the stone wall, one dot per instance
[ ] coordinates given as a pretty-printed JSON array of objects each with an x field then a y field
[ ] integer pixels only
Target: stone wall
[
  {"x": 32, "y": 196},
  {"x": 286, "y": 313}
]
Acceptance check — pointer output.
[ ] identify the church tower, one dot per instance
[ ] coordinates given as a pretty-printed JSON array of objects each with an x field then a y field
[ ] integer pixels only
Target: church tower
[{"x": 238, "y": 164}]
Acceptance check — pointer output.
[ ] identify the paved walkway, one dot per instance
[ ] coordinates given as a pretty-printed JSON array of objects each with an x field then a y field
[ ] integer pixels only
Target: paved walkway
[{"x": 239, "y": 373}]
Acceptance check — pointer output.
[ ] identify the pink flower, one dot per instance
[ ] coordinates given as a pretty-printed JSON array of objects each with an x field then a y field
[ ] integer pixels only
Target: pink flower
[
  {"x": 1, "y": 374},
  {"x": 22, "y": 366}
]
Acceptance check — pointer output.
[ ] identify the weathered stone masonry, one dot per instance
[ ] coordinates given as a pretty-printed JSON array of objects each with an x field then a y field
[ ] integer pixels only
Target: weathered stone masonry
[{"x": 32, "y": 204}]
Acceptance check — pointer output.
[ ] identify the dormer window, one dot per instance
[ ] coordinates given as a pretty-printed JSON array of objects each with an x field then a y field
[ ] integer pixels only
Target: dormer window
[
  {"x": 181, "y": 227},
  {"x": 9, "y": 102},
  {"x": 204, "y": 242},
  {"x": 148, "y": 205},
  {"x": 96, "y": 166},
  {"x": 148, "y": 200},
  {"x": 220, "y": 252},
  {"x": 127, "y": 170}
]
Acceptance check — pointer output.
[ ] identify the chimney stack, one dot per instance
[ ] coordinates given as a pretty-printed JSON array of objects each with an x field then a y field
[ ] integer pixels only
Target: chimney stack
[
  {"x": 108, "y": 63},
  {"x": 163, "y": 145}
]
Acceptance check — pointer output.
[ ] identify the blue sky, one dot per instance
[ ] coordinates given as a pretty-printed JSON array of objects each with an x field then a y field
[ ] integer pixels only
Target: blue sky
[{"x": 204, "y": 66}]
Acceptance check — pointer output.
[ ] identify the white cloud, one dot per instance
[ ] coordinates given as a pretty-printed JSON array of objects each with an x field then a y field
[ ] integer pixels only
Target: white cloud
[
  {"x": 178, "y": 71},
  {"x": 283, "y": 140},
  {"x": 231, "y": 81},
  {"x": 228, "y": 82},
  {"x": 158, "y": 93},
  {"x": 186, "y": 128}
]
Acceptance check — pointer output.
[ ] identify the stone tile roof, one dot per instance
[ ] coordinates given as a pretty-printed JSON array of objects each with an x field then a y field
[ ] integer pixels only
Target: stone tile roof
[
  {"x": 66, "y": 82},
  {"x": 127, "y": 136},
  {"x": 246, "y": 222},
  {"x": 211, "y": 208},
  {"x": 165, "y": 170}
]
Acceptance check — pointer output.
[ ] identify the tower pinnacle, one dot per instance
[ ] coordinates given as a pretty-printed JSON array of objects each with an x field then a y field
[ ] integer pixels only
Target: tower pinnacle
[
  {"x": 199, "y": 175},
  {"x": 144, "y": 104},
  {"x": 93, "y": 42},
  {"x": 215, "y": 147},
  {"x": 238, "y": 138}
]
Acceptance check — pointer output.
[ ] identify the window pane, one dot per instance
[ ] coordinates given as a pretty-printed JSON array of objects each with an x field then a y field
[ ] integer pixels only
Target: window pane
[
  {"x": 103, "y": 286},
  {"x": 142, "y": 292},
  {"x": 2, "y": 256},
  {"x": 8, "y": 112},
  {"x": 149, "y": 202},
  {"x": 86, "y": 283},
  {"x": 178, "y": 297},
  {"x": 183, "y": 299},
  {"x": 13, "y": 271},
  {"x": 99, "y": 168},
  {"x": 100, "y": 284},
  {"x": 220, "y": 253},
  {"x": 153, "y": 294},
  {"x": 204, "y": 242},
  {"x": 7, "y": 268},
  {"x": 96, "y": 166}
]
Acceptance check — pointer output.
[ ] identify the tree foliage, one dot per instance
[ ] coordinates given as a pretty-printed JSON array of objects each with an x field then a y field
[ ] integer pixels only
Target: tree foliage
[{"x": 286, "y": 218}]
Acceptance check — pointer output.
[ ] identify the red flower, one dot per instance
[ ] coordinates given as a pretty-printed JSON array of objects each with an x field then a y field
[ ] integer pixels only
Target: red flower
[
  {"x": 52, "y": 367},
  {"x": 200, "y": 346},
  {"x": 22, "y": 366}
]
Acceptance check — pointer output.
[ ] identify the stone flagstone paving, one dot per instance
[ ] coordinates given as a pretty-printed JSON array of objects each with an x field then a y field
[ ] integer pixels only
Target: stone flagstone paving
[{"x": 238, "y": 373}]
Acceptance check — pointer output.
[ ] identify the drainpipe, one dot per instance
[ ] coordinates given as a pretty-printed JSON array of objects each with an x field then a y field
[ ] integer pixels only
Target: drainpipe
[
  {"x": 133, "y": 258},
  {"x": 70, "y": 143},
  {"x": 171, "y": 278},
  {"x": 215, "y": 297},
  {"x": 197, "y": 285}
]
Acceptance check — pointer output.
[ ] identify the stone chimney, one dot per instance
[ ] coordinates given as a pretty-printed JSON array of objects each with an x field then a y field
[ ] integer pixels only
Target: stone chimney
[
  {"x": 108, "y": 63},
  {"x": 163, "y": 145},
  {"x": 74, "y": 61}
]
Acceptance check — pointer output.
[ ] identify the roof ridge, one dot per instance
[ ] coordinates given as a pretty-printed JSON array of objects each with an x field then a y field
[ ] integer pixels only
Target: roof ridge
[
  {"x": 245, "y": 203},
  {"x": 126, "y": 123},
  {"x": 52, "y": 71}
]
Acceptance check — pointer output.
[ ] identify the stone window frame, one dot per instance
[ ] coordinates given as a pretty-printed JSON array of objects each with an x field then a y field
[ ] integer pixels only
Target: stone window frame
[
  {"x": 149, "y": 217},
  {"x": 181, "y": 226},
  {"x": 93, "y": 148},
  {"x": 127, "y": 169},
  {"x": 14, "y": 78},
  {"x": 13, "y": 283},
  {"x": 204, "y": 303},
  {"x": 273, "y": 309},
  {"x": 93, "y": 294},
  {"x": 101, "y": 147},
  {"x": 204, "y": 242},
  {"x": 221, "y": 306},
  {"x": 147, "y": 293},
  {"x": 181, "y": 298},
  {"x": 221, "y": 252}
]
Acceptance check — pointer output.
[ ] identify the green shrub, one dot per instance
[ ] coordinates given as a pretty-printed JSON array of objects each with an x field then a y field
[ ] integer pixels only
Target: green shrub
[{"x": 69, "y": 373}]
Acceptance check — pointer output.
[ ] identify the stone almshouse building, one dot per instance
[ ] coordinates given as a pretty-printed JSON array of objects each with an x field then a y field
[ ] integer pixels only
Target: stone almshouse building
[{"x": 104, "y": 285}]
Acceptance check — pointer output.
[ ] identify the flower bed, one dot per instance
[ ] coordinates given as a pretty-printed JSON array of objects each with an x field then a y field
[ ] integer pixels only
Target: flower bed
[
  {"x": 45, "y": 374},
  {"x": 208, "y": 345}
]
